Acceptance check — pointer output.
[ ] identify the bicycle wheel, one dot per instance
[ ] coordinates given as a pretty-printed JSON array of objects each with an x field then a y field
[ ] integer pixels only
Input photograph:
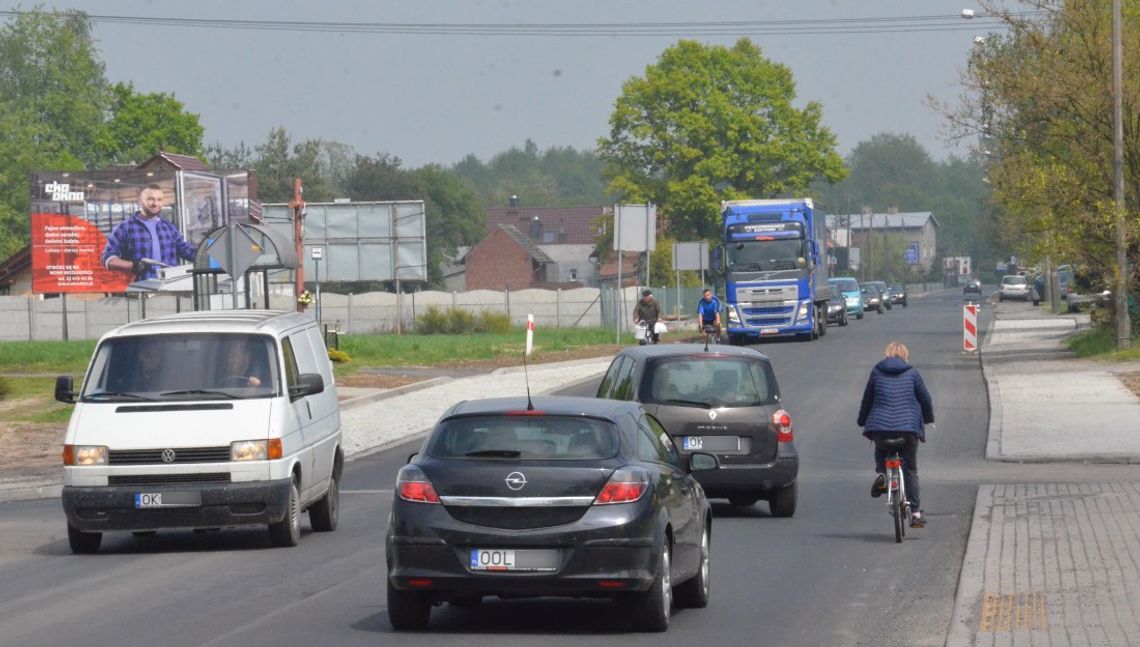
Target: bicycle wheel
[{"x": 897, "y": 508}]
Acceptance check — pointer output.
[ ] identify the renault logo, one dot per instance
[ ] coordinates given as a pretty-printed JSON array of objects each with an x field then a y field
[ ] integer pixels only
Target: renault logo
[
  {"x": 516, "y": 480},
  {"x": 712, "y": 414},
  {"x": 168, "y": 456}
]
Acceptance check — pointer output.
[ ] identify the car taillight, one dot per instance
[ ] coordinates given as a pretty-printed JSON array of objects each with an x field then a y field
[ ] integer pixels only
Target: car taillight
[
  {"x": 625, "y": 486},
  {"x": 413, "y": 485},
  {"x": 782, "y": 421}
]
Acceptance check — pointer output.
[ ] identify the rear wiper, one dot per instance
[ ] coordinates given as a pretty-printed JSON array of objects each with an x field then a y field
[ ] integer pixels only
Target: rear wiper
[
  {"x": 495, "y": 453},
  {"x": 221, "y": 394},
  {"x": 118, "y": 394},
  {"x": 695, "y": 403}
]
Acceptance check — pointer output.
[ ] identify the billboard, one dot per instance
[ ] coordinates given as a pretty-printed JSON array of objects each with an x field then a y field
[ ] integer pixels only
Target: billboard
[
  {"x": 360, "y": 241},
  {"x": 112, "y": 231}
]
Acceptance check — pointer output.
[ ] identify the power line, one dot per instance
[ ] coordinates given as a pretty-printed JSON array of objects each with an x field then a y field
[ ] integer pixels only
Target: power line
[{"x": 801, "y": 27}]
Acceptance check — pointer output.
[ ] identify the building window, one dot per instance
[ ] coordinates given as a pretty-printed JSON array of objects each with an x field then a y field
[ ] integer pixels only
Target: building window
[{"x": 574, "y": 274}]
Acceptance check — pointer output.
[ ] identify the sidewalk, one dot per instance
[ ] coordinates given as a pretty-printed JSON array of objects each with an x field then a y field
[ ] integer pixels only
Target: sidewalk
[
  {"x": 1052, "y": 563},
  {"x": 375, "y": 419}
]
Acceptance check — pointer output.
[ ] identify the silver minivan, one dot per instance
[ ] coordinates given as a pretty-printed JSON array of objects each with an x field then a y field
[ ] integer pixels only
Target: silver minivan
[{"x": 203, "y": 420}]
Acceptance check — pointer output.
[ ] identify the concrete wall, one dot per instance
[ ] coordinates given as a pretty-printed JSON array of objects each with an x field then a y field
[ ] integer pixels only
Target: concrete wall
[{"x": 30, "y": 318}]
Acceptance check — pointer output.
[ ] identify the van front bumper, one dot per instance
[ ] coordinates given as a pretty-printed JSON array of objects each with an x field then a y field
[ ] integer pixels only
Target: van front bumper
[{"x": 97, "y": 509}]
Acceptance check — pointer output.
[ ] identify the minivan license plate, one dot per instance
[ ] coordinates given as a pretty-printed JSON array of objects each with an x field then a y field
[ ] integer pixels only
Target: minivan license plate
[
  {"x": 167, "y": 500},
  {"x": 692, "y": 442}
]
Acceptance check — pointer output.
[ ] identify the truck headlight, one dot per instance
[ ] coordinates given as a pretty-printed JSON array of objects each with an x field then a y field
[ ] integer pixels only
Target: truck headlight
[
  {"x": 803, "y": 312},
  {"x": 84, "y": 455},
  {"x": 732, "y": 316},
  {"x": 249, "y": 450}
]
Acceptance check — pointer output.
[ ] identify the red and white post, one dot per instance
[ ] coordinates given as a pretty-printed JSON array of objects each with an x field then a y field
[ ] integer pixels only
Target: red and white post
[
  {"x": 970, "y": 327},
  {"x": 529, "y": 333}
]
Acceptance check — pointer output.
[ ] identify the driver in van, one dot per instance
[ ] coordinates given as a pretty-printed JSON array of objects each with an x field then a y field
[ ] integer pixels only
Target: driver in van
[{"x": 241, "y": 364}]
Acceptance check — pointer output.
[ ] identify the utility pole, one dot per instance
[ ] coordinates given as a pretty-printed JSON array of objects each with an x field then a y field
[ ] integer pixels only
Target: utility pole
[
  {"x": 1123, "y": 324},
  {"x": 297, "y": 204},
  {"x": 868, "y": 236}
]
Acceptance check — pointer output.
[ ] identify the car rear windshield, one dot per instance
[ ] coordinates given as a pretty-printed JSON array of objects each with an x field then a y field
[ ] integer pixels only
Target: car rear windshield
[
  {"x": 708, "y": 381},
  {"x": 534, "y": 437},
  {"x": 1014, "y": 280},
  {"x": 847, "y": 285}
]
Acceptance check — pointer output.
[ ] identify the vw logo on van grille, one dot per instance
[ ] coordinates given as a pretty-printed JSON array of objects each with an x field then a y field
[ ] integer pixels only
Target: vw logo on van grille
[
  {"x": 168, "y": 456},
  {"x": 516, "y": 480}
]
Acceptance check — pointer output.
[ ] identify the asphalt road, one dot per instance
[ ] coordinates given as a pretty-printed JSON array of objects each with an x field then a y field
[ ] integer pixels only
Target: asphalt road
[{"x": 832, "y": 575}]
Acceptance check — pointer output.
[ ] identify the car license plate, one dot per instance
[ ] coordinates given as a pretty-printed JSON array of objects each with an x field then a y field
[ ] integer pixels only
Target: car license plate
[
  {"x": 769, "y": 331},
  {"x": 167, "y": 500},
  {"x": 692, "y": 442},
  {"x": 499, "y": 559}
]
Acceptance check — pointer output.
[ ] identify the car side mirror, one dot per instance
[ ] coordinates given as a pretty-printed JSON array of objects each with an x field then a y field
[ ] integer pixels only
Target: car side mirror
[
  {"x": 63, "y": 389},
  {"x": 307, "y": 384},
  {"x": 701, "y": 462}
]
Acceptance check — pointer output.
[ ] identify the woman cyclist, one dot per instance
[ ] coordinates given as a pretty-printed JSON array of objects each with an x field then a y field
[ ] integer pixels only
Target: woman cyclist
[{"x": 896, "y": 404}]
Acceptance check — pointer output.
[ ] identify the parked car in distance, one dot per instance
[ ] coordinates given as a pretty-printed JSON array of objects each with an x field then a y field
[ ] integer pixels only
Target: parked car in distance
[
  {"x": 203, "y": 420},
  {"x": 560, "y": 496},
  {"x": 972, "y": 286},
  {"x": 1013, "y": 287},
  {"x": 899, "y": 294},
  {"x": 872, "y": 297},
  {"x": 726, "y": 403},
  {"x": 837, "y": 308},
  {"x": 853, "y": 296},
  {"x": 884, "y": 294}
]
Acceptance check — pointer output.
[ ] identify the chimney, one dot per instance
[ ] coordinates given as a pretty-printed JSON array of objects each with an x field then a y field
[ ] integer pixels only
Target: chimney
[{"x": 514, "y": 201}]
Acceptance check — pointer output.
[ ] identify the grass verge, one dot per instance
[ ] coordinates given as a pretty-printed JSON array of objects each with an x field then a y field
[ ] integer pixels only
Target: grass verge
[
  {"x": 435, "y": 350},
  {"x": 1101, "y": 343},
  {"x": 45, "y": 356}
]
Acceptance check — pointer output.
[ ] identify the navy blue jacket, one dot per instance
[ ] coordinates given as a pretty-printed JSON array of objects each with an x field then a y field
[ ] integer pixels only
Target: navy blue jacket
[{"x": 896, "y": 400}]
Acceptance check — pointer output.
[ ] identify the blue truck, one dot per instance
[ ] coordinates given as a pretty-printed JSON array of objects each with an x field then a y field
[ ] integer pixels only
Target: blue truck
[{"x": 773, "y": 259}]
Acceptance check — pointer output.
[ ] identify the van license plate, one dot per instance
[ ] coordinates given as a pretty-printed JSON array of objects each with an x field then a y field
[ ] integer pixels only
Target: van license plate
[
  {"x": 167, "y": 500},
  {"x": 692, "y": 442},
  {"x": 498, "y": 559}
]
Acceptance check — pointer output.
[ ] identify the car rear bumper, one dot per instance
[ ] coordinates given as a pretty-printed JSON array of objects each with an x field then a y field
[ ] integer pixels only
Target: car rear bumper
[
  {"x": 96, "y": 509},
  {"x": 608, "y": 550},
  {"x": 735, "y": 478}
]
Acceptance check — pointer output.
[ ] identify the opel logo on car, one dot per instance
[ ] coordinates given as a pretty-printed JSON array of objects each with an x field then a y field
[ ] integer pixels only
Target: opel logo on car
[
  {"x": 712, "y": 414},
  {"x": 516, "y": 480},
  {"x": 168, "y": 456}
]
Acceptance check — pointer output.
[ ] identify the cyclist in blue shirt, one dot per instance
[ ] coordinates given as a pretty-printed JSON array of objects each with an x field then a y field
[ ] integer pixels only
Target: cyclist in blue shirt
[{"x": 708, "y": 312}]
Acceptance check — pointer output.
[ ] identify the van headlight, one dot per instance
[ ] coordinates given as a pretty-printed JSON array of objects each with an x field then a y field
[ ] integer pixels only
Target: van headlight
[
  {"x": 249, "y": 450},
  {"x": 84, "y": 455}
]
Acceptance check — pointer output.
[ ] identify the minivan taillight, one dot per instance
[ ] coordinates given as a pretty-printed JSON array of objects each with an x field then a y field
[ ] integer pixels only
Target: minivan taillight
[
  {"x": 625, "y": 486},
  {"x": 413, "y": 485},
  {"x": 782, "y": 421}
]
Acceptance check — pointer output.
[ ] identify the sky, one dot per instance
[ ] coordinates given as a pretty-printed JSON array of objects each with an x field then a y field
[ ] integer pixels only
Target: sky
[{"x": 434, "y": 98}]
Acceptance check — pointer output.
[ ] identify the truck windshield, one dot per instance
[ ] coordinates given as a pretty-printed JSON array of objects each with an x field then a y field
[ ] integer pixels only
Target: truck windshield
[
  {"x": 184, "y": 366},
  {"x": 760, "y": 255}
]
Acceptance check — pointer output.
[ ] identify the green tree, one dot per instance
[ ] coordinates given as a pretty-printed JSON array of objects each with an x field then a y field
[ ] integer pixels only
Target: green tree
[
  {"x": 708, "y": 123},
  {"x": 557, "y": 177},
  {"x": 144, "y": 124},
  {"x": 1039, "y": 95},
  {"x": 277, "y": 162}
]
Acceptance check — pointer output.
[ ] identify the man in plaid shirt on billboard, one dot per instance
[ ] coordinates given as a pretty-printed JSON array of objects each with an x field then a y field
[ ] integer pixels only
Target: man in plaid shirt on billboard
[{"x": 145, "y": 236}]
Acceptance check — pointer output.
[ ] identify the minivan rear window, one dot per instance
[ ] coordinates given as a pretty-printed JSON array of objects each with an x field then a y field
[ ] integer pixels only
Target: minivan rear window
[
  {"x": 533, "y": 437},
  {"x": 708, "y": 381}
]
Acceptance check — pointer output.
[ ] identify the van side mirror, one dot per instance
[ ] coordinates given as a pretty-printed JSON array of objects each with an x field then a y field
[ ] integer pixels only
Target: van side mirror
[
  {"x": 63, "y": 389},
  {"x": 307, "y": 384}
]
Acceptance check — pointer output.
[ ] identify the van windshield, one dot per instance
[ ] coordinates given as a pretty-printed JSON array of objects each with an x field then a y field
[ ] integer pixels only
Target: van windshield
[{"x": 183, "y": 366}]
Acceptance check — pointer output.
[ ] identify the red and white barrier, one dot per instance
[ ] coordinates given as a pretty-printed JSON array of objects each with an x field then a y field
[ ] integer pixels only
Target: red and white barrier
[
  {"x": 529, "y": 334},
  {"x": 970, "y": 327}
]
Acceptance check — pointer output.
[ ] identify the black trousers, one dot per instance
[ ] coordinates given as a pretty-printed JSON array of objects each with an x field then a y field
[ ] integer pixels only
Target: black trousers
[{"x": 908, "y": 452}]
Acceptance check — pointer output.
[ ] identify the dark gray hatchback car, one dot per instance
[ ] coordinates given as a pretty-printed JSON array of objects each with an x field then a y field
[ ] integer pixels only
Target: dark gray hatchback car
[{"x": 724, "y": 401}]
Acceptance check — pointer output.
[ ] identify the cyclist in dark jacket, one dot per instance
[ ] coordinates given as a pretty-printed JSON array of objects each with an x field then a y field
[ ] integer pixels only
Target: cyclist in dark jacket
[
  {"x": 896, "y": 404},
  {"x": 648, "y": 311}
]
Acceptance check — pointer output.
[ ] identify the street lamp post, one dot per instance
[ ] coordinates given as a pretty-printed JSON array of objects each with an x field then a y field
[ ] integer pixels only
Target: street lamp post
[{"x": 317, "y": 254}]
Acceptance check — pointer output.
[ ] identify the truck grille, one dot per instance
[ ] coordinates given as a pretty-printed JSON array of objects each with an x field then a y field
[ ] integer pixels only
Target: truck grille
[
  {"x": 767, "y": 295},
  {"x": 165, "y": 479},
  {"x": 181, "y": 455}
]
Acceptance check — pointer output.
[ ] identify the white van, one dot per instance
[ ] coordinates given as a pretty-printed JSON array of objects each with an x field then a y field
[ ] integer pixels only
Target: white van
[{"x": 203, "y": 420}]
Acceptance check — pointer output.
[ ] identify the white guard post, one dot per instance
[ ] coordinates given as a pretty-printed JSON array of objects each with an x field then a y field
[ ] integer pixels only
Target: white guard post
[{"x": 970, "y": 327}]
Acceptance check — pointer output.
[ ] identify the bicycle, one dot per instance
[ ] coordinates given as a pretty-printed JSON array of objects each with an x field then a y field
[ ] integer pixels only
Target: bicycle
[
  {"x": 711, "y": 333},
  {"x": 644, "y": 335},
  {"x": 897, "y": 503}
]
